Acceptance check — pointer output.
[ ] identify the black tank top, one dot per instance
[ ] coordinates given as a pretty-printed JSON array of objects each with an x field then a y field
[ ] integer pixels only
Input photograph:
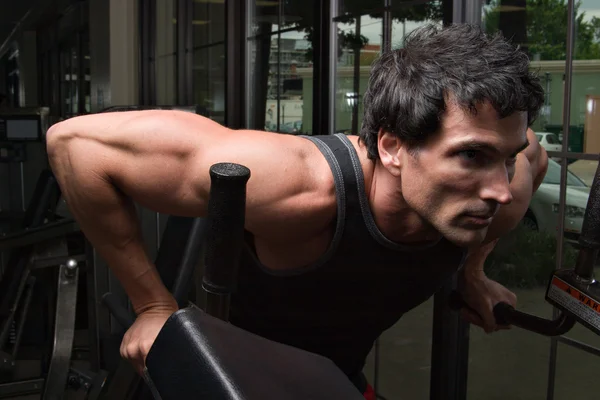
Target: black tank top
[{"x": 360, "y": 287}]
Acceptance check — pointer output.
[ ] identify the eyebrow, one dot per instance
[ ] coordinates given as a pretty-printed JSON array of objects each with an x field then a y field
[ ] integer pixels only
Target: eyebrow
[{"x": 478, "y": 145}]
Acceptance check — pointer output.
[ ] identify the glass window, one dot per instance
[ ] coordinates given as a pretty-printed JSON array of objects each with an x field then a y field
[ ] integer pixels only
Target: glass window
[
  {"x": 166, "y": 52},
  {"x": 281, "y": 66},
  {"x": 552, "y": 139},
  {"x": 552, "y": 176},
  {"x": 209, "y": 65},
  {"x": 584, "y": 133},
  {"x": 69, "y": 80},
  {"x": 354, "y": 7},
  {"x": 13, "y": 81},
  {"x": 75, "y": 81},
  {"x": 360, "y": 43},
  {"x": 524, "y": 261},
  {"x": 574, "y": 372},
  {"x": 404, "y": 356}
]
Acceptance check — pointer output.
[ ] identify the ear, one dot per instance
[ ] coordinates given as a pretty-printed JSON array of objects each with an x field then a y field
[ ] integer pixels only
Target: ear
[{"x": 389, "y": 147}]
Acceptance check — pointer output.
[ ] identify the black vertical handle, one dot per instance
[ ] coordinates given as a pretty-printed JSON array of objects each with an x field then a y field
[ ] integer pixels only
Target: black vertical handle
[
  {"x": 226, "y": 220},
  {"x": 590, "y": 232}
]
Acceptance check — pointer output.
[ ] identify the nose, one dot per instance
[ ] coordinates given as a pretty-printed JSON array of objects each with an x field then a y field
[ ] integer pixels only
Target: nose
[{"x": 496, "y": 187}]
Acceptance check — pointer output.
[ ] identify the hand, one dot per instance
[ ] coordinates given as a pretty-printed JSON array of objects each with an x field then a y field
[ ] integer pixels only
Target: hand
[
  {"x": 482, "y": 294},
  {"x": 141, "y": 335}
]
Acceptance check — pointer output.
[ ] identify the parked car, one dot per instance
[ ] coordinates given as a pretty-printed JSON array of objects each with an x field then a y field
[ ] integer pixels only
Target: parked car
[
  {"x": 542, "y": 214},
  {"x": 549, "y": 141}
]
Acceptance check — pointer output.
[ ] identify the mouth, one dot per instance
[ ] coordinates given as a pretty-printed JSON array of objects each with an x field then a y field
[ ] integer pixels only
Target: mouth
[{"x": 479, "y": 220}]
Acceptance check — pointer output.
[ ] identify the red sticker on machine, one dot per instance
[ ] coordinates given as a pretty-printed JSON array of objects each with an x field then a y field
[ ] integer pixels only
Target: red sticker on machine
[{"x": 576, "y": 294}]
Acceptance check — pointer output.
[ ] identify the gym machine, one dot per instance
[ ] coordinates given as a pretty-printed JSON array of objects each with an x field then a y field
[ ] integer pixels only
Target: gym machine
[
  {"x": 198, "y": 354},
  {"x": 42, "y": 245}
]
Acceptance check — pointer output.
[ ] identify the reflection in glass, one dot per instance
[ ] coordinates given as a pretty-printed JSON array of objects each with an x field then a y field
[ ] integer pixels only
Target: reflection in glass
[
  {"x": 539, "y": 27},
  {"x": 407, "y": 19},
  {"x": 584, "y": 127},
  {"x": 524, "y": 260},
  {"x": 281, "y": 67},
  {"x": 405, "y": 356},
  {"x": 209, "y": 58},
  {"x": 576, "y": 374},
  {"x": 360, "y": 43},
  {"x": 359, "y": 7},
  {"x": 166, "y": 52}
]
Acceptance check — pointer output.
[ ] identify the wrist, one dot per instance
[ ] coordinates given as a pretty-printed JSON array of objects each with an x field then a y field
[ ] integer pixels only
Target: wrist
[
  {"x": 473, "y": 274},
  {"x": 156, "y": 306},
  {"x": 473, "y": 270},
  {"x": 147, "y": 292}
]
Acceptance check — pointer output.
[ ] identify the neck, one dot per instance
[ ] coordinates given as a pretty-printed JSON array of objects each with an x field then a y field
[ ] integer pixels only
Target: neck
[{"x": 393, "y": 216}]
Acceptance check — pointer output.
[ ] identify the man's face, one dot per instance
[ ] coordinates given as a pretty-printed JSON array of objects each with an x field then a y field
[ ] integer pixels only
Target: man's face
[{"x": 457, "y": 180}]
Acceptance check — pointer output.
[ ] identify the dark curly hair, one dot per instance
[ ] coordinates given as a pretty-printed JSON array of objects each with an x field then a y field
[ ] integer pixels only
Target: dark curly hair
[{"x": 408, "y": 87}]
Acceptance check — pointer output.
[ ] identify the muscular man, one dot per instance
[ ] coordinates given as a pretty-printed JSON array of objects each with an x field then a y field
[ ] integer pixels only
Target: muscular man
[{"x": 344, "y": 234}]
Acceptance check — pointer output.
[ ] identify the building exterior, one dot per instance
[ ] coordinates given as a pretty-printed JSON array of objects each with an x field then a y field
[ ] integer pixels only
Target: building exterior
[{"x": 301, "y": 67}]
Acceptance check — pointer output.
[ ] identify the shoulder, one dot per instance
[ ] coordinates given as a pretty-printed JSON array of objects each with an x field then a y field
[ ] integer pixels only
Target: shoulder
[
  {"x": 537, "y": 159},
  {"x": 291, "y": 195}
]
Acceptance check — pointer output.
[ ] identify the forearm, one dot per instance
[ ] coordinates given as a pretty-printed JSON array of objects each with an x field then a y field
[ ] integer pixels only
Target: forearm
[
  {"x": 109, "y": 221},
  {"x": 475, "y": 261}
]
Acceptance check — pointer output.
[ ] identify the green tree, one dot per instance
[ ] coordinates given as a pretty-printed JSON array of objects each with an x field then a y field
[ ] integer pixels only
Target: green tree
[
  {"x": 547, "y": 29},
  {"x": 431, "y": 10}
]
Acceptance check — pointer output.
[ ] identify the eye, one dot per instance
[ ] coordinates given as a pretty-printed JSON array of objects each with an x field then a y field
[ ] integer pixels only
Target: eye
[{"x": 468, "y": 155}]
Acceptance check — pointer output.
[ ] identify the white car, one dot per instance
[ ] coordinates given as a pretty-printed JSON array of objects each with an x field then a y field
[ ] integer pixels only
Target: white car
[
  {"x": 549, "y": 141},
  {"x": 542, "y": 214}
]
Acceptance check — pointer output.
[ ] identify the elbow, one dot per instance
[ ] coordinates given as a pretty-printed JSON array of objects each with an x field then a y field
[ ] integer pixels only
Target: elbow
[{"x": 57, "y": 139}]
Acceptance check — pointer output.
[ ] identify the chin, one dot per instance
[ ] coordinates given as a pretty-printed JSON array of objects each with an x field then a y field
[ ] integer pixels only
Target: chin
[{"x": 465, "y": 237}]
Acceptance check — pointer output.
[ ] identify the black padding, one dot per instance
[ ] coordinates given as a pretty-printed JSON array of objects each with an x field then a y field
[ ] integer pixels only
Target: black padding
[
  {"x": 590, "y": 229},
  {"x": 172, "y": 247},
  {"x": 197, "y": 356}
]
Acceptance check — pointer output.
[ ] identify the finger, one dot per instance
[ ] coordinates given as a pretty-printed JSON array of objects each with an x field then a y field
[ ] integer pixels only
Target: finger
[
  {"x": 513, "y": 299},
  {"x": 489, "y": 323},
  {"x": 471, "y": 317}
]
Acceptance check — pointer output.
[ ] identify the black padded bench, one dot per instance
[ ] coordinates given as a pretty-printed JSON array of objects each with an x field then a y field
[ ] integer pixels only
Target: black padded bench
[{"x": 197, "y": 356}]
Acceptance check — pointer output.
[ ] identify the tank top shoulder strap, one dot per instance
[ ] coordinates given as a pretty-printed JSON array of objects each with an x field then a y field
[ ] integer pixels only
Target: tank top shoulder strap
[{"x": 339, "y": 156}]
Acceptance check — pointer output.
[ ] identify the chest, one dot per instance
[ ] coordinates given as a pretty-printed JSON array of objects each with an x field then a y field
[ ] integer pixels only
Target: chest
[
  {"x": 290, "y": 254},
  {"x": 354, "y": 284}
]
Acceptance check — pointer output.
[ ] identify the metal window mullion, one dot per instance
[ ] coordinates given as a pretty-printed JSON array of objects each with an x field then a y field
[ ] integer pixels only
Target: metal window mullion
[
  {"x": 279, "y": 19},
  {"x": 181, "y": 35},
  {"x": 248, "y": 66},
  {"x": 324, "y": 56},
  {"x": 80, "y": 74},
  {"x": 189, "y": 54},
  {"x": 563, "y": 181},
  {"x": 142, "y": 32},
  {"x": 387, "y": 26},
  {"x": 151, "y": 53},
  {"x": 236, "y": 53},
  {"x": 579, "y": 345},
  {"x": 331, "y": 69}
]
